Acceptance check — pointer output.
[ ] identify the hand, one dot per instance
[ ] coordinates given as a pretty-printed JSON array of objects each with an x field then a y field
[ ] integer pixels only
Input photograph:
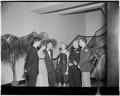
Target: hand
[
  {"x": 66, "y": 73},
  {"x": 78, "y": 67},
  {"x": 75, "y": 62},
  {"x": 25, "y": 70},
  {"x": 70, "y": 64}
]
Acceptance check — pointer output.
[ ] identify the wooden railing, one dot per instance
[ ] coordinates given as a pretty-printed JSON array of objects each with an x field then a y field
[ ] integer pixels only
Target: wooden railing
[
  {"x": 101, "y": 31},
  {"x": 78, "y": 36}
]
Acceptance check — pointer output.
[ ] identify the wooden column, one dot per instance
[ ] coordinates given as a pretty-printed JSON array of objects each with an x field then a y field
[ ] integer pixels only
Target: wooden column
[{"x": 112, "y": 48}]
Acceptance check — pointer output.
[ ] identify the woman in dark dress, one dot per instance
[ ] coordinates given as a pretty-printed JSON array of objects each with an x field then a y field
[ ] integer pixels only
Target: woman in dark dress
[
  {"x": 74, "y": 71},
  {"x": 62, "y": 66}
]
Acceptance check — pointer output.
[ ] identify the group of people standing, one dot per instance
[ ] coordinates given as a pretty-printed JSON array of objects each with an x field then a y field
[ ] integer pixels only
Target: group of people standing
[{"x": 72, "y": 67}]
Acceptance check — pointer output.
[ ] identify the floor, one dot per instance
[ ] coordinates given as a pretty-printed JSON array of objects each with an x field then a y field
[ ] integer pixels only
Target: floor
[{"x": 95, "y": 83}]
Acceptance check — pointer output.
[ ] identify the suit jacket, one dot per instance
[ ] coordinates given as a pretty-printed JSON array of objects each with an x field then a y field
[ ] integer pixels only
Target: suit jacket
[
  {"x": 32, "y": 61},
  {"x": 49, "y": 61},
  {"x": 85, "y": 60},
  {"x": 74, "y": 54}
]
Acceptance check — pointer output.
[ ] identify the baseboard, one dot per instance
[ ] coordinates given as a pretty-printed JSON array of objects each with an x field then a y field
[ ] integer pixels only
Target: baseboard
[{"x": 19, "y": 82}]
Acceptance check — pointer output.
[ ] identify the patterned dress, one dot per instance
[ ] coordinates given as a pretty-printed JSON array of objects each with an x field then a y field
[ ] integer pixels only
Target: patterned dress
[{"x": 42, "y": 78}]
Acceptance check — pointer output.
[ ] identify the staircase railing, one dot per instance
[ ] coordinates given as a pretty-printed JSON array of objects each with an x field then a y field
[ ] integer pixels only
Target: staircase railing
[{"x": 101, "y": 31}]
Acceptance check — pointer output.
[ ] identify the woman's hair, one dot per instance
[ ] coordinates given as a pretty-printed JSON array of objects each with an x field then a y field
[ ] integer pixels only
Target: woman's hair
[
  {"x": 64, "y": 44},
  {"x": 49, "y": 41},
  {"x": 83, "y": 39},
  {"x": 53, "y": 42},
  {"x": 76, "y": 40},
  {"x": 43, "y": 43}
]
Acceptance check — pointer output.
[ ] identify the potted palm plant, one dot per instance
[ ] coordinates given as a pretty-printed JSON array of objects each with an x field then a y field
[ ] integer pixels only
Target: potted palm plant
[
  {"x": 7, "y": 53},
  {"x": 12, "y": 49}
]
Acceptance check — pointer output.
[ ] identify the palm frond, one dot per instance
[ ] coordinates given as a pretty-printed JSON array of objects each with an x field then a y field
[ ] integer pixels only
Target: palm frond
[
  {"x": 99, "y": 38},
  {"x": 31, "y": 36},
  {"x": 43, "y": 36},
  {"x": 21, "y": 46},
  {"x": 6, "y": 36},
  {"x": 5, "y": 50},
  {"x": 9, "y": 37},
  {"x": 101, "y": 41},
  {"x": 13, "y": 39}
]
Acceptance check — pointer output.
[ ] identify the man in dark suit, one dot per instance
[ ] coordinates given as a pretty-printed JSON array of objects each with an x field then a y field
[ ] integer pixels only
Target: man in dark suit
[
  {"x": 84, "y": 63},
  {"x": 31, "y": 63},
  {"x": 74, "y": 72},
  {"x": 49, "y": 64}
]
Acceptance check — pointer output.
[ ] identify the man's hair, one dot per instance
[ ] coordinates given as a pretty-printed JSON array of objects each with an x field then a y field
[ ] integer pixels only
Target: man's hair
[
  {"x": 43, "y": 43},
  {"x": 35, "y": 39},
  {"x": 60, "y": 49},
  {"x": 64, "y": 44},
  {"x": 83, "y": 39}
]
